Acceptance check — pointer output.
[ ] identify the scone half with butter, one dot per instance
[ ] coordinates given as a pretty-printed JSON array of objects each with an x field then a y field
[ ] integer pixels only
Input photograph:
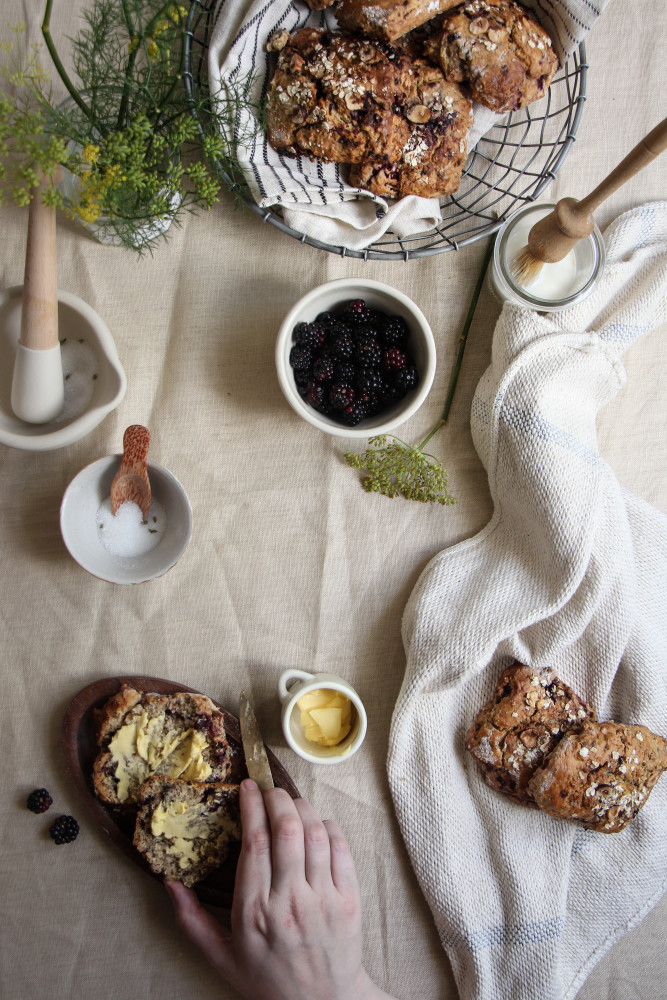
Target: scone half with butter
[
  {"x": 184, "y": 828},
  {"x": 140, "y": 734}
]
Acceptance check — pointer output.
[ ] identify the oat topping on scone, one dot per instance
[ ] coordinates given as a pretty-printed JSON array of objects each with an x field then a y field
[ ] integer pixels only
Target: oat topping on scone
[
  {"x": 601, "y": 775},
  {"x": 333, "y": 97},
  {"x": 501, "y": 52},
  {"x": 513, "y": 733},
  {"x": 431, "y": 162}
]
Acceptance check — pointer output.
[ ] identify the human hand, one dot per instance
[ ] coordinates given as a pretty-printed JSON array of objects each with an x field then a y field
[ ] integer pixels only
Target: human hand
[{"x": 296, "y": 917}]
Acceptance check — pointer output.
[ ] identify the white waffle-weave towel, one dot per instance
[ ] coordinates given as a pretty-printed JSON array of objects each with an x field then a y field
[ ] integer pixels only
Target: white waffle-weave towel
[
  {"x": 570, "y": 573},
  {"x": 314, "y": 197}
]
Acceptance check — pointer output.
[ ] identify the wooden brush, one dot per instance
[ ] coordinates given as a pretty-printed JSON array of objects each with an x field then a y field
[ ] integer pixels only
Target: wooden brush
[{"x": 552, "y": 238}]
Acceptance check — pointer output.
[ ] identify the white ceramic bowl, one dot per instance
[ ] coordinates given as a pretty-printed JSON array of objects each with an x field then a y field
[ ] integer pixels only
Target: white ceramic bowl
[
  {"x": 378, "y": 296},
  {"x": 292, "y": 685},
  {"x": 78, "y": 524},
  {"x": 78, "y": 322}
]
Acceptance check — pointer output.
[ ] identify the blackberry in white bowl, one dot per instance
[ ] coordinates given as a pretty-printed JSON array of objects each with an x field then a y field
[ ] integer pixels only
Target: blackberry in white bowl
[{"x": 355, "y": 357}]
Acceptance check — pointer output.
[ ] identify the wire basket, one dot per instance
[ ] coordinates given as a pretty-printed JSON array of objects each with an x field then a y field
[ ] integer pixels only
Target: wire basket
[{"x": 512, "y": 164}]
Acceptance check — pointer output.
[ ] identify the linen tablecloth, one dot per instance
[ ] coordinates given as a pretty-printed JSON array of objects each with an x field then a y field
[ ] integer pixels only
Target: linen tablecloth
[{"x": 290, "y": 563}]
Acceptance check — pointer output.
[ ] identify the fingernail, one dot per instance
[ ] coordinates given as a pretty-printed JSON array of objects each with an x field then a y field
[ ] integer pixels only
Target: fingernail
[{"x": 249, "y": 784}]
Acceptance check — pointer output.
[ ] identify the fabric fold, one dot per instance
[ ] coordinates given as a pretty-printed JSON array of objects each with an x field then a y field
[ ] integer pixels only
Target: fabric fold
[{"x": 569, "y": 574}]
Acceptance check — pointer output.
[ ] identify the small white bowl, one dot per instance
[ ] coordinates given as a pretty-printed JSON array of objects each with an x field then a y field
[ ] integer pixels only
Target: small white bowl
[
  {"x": 78, "y": 524},
  {"x": 378, "y": 296},
  {"x": 292, "y": 685},
  {"x": 78, "y": 322}
]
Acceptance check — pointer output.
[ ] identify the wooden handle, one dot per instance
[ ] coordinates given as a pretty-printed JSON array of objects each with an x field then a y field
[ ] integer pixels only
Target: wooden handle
[
  {"x": 136, "y": 440},
  {"x": 643, "y": 154},
  {"x": 39, "y": 316}
]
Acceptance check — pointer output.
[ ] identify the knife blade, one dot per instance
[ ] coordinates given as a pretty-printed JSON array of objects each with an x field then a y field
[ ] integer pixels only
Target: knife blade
[{"x": 256, "y": 759}]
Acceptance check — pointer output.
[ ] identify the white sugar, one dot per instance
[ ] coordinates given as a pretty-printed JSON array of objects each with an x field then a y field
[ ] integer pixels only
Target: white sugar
[
  {"x": 127, "y": 534},
  {"x": 80, "y": 370}
]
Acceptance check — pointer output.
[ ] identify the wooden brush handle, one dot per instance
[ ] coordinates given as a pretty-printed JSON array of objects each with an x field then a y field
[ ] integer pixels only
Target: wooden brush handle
[
  {"x": 39, "y": 316},
  {"x": 643, "y": 153},
  {"x": 575, "y": 218}
]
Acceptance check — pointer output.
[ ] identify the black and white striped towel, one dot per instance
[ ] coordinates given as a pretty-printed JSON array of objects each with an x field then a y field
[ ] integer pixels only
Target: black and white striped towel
[{"x": 314, "y": 197}]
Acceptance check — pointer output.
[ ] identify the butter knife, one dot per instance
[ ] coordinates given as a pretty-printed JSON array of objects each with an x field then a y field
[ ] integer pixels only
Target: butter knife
[{"x": 256, "y": 759}]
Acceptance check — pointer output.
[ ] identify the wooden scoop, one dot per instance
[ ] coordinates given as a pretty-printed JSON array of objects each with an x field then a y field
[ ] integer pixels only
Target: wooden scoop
[
  {"x": 130, "y": 484},
  {"x": 551, "y": 239},
  {"x": 38, "y": 391}
]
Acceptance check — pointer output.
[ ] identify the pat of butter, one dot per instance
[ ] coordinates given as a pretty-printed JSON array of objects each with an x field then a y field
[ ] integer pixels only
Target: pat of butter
[{"x": 326, "y": 716}]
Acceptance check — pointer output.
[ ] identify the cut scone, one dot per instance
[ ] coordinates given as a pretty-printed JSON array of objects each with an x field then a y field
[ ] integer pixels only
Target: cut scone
[
  {"x": 184, "y": 828},
  {"x": 512, "y": 734},
  {"x": 140, "y": 734},
  {"x": 601, "y": 775}
]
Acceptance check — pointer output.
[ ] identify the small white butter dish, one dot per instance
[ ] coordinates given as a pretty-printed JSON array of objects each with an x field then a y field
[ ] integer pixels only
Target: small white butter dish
[{"x": 293, "y": 685}]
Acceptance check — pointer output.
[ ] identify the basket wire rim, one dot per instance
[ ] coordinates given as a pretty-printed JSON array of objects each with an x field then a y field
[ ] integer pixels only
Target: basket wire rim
[{"x": 376, "y": 250}]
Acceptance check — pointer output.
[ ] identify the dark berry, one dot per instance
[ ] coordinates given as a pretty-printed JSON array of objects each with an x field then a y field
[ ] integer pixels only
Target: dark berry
[
  {"x": 367, "y": 330},
  {"x": 64, "y": 830},
  {"x": 323, "y": 369},
  {"x": 367, "y": 353},
  {"x": 406, "y": 379},
  {"x": 342, "y": 347},
  {"x": 39, "y": 801},
  {"x": 345, "y": 372},
  {"x": 310, "y": 335},
  {"x": 325, "y": 319},
  {"x": 357, "y": 310},
  {"x": 395, "y": 331},
  {"x": 395, "y": 359},
  {"x": 369, "y": 380},
  {"x": 300, "y": 357},
  {"x": 354, "y": 413},
  {"x": 341, "y": 395},
  {"x": 315, "y": 394}
]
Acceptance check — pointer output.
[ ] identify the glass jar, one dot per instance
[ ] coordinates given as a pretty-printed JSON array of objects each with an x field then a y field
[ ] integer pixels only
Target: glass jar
[{"x": 557, "y": 286}]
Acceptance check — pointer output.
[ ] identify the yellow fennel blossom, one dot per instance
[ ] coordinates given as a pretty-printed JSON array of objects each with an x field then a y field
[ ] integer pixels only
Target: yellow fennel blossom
[
  {"x": 152, "y": 50},
  {"x": 177, "y": 14},
  {"x": 90, "y": 153}
]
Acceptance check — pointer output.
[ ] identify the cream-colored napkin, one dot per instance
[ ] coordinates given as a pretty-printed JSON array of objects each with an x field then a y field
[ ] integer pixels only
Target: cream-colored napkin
[
  {"x": 570, "y": 573},
  {"x": 314, "y": 197}
]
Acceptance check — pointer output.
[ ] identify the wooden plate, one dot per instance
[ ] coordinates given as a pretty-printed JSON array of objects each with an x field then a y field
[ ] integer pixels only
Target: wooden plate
[{"x": 80, "y": 749}]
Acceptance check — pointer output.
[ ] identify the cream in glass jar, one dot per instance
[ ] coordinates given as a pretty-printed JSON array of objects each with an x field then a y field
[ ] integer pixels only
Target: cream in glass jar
[{"x": 556, "y": 286}]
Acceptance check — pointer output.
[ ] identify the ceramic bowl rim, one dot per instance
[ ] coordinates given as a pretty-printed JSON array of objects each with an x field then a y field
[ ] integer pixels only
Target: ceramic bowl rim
[
  {"x": 106, "y": 465},
  {"x": 411, "y": 402},
  {"x": 87, "y": 421}
]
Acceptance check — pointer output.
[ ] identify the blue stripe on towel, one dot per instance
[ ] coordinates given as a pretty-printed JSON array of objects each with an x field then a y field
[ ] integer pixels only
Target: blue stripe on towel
[{"x": 500, "y": 935}]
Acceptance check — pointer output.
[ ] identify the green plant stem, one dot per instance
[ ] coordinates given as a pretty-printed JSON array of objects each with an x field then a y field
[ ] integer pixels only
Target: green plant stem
[
  {"x": 129, "y": 69},
  {"x": 462, "y": 345},
  {"x": 62, "y": 72}
]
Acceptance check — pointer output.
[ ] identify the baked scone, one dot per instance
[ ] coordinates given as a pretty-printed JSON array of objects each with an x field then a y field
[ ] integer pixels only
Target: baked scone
[
  {"x": 601, "y": 775},
  {"x": 388, "y": 19},
  {"x": 504, "y": 55},
  {"x": 431, "y": 162},
  {"x": 139, "y": 734},
  {"x": 184, "y": 828},
  {"x": 513, "y": 733},
  {"x": 332, "y": 97}
]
